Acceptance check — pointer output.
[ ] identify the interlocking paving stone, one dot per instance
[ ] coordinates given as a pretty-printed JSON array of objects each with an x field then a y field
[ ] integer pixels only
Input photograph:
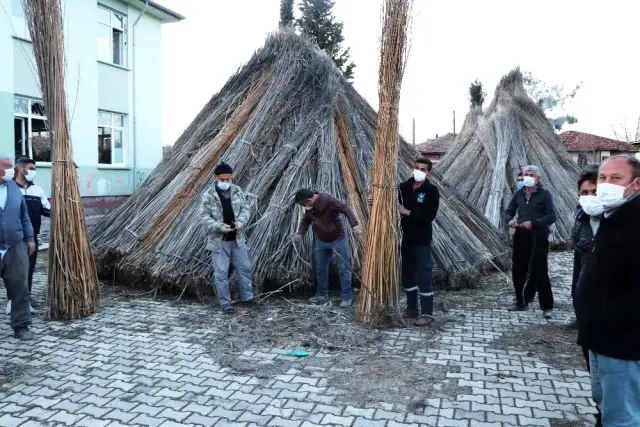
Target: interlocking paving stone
[{"x": 136, "y": 363}]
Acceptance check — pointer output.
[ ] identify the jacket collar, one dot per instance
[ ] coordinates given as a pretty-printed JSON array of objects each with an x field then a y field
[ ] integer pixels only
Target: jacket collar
[
  {"x": 411, "y": 181},
  {"x": 29, "y": 184}
]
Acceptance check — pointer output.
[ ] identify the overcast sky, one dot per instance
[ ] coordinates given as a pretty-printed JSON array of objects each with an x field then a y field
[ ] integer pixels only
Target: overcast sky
[{"x": 453, "y": 42}]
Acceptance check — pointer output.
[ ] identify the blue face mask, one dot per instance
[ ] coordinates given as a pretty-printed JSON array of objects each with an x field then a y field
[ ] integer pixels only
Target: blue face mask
[{"x": 520, "y": 185}]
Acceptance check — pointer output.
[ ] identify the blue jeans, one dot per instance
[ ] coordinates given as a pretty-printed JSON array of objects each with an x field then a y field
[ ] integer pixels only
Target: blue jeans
[
  {"x": 417, "y": 275},
  {"x": 323, "y": 252},
  {"x": 237, "y": 254},
  {"x": 615, "y": 387}
]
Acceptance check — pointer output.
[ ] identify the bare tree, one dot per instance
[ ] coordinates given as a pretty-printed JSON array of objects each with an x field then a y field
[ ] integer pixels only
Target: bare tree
[{"x": 628, "y": 134}]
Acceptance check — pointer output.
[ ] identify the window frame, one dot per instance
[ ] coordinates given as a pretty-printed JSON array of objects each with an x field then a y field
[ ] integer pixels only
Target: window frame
[
  {"x": 113, "y": 127},
  {"x": 29, "y": 116},
  {"x": 123, "y": 29}
]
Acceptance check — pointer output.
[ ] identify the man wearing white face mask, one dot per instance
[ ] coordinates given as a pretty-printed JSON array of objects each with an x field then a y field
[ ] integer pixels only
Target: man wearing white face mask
[
  {"x": 608, "y": 295},
  {"x": 37, "y": 206},
  {"x": 224, "y": 213},
  {"x": 531, "y": 213}
]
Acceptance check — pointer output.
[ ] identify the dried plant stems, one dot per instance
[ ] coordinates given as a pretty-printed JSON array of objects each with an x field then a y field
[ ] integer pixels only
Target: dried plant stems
[
  {"x": 513, "y": 132},
  {"x": 288, "y": 119},
  {"x": 74, "y": 289},
  {"x": 380, "y": 272}
]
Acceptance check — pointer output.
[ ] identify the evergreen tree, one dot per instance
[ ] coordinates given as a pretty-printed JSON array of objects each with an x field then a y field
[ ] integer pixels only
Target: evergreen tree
[
  {"x": 286, "y": 13},
  {"x": 318, "y": 23},
  {"x": 476, "y": 94}
]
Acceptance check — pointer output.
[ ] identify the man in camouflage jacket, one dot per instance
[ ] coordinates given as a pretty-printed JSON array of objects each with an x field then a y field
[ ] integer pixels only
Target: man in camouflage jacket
[{"x": 224, "y": 213}]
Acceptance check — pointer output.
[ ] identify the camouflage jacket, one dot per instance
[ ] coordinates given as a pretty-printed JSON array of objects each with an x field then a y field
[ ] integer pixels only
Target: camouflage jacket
[{"x": 211, "y": 215}]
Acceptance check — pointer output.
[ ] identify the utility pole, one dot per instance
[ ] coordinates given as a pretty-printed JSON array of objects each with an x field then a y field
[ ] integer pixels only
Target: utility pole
[
  {"x": 454, "y": 123},
  {"x": 414, "y": 132}
]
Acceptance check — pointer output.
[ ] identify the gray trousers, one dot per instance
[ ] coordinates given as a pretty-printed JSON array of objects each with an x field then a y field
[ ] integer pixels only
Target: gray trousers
[
  {"x": 14, "y": 270},
  {"x": 237, "y": 254}
]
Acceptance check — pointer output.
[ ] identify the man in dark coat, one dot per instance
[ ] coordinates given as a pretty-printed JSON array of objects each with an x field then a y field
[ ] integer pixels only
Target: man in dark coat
[
  {"x": 608, "y": 295},
  {"x": 531, "y": 212}
]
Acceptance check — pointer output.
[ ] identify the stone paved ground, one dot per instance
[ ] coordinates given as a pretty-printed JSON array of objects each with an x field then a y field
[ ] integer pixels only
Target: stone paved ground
[{"x": 146, "y": 362}]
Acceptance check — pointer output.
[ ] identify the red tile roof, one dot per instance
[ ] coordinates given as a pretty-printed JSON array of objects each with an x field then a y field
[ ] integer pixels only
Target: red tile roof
[
  {"x": 580, "y": 141},
  {"x": 438, "y": 145}
]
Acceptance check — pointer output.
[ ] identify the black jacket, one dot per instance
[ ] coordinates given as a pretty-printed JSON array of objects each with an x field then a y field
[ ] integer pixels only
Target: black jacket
[
  {"x": 608, "y": 292},
  {"x": 582, "y": 234},
  {"x": 540, "y": 209},
  {"x": 423, "y": 203}
]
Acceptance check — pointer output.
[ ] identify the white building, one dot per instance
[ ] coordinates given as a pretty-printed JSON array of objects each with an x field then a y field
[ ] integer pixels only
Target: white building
[{"x": 113, "y": 85}]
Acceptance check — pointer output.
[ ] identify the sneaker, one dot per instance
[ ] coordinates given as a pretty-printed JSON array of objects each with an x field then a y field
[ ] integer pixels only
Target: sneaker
[
  {"x": 8, "y": 309},
  {"x": 346, "y": 303},
  {"x": 318, "y": 299},
  {"x": 254, "y": 302},
  {"x": 569, "y": 326},
  {"x": 547, "y": 314},
  {"x": 517, "y": 307},
  {"x": 228, "y": 309},
  {"x": 23, "y": 334},
  {"x": 424, "y": 321}
]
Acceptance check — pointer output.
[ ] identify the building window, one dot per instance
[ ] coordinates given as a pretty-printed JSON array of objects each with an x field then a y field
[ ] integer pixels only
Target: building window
[
  {"x": 111, "y": 36},
  {"x": 110, "y": 138},
  {"x": 31, "y": 129}
]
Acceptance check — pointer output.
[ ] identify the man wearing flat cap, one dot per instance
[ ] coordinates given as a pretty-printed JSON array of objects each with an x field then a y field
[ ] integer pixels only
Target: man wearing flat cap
[{"x": 224, "y": 213}]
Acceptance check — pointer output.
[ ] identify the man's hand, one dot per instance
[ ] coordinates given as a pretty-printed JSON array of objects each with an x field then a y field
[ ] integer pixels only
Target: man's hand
[
  {"x": 32, "y": 247},
  {"x": 297, "y": 238},
  {"x": 226, "y": 228},
  {"x": 238, "y": 225},
  {"x": 404, "y": 211},
  {"x": 527, "y": 224},
  {"x": 513, "y": 223},
  {"x": 357, "y": 230}
]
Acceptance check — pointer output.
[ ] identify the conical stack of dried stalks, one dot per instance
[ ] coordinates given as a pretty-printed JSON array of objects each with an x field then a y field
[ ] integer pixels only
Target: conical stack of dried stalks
[
  {"x": 380, "y": 276},
  {"x": 73, "y": 280}
]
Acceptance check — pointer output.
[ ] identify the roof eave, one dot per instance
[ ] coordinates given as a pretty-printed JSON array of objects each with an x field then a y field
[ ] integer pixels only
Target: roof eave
[{"x": 165, "y": 15}]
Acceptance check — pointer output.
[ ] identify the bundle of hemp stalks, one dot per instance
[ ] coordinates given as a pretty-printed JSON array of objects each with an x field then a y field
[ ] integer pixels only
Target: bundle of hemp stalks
[
  {"x": 495, "y": 145},
  {"x": 287, "y": 119},
  {"x": 378, "y": 303},
  {"x": 73, "y": 290}
]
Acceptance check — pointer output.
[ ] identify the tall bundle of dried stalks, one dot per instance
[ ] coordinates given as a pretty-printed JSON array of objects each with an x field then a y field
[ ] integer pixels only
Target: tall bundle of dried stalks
[
  {"x": 495, "y": 145},
  {"x": 288, "y": 119},
  {"x": 74, "y": 289},
  {"x": 380, "y": 272}
]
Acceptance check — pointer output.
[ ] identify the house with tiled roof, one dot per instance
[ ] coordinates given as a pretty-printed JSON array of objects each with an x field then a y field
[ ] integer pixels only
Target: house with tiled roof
[
  {"x": 587, "y": 148},
  {"x": 583, "y": 147},
  {"x": 434, "y": 149}
]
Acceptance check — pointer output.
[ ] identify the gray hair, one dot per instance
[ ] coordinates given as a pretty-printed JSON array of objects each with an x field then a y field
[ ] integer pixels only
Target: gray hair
[{"x": 531, "y": 168}]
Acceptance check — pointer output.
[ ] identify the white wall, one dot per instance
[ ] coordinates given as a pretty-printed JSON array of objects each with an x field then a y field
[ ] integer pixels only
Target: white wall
[{"x": 91, "y": 86}]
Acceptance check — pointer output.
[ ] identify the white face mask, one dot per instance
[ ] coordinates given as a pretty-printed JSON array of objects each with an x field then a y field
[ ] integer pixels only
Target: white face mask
[
  {"x": 308, "y": 208},
  {"x": 9, "y": 174},
  {"x": 419, "y": 176},
  {"x": 611, "y": 195},
  {"x": 591, "y": 205},
  {"x": 30, "y": 176},
  {"x": 529, "y": 181},
  {"x": 224, "y": 186}
]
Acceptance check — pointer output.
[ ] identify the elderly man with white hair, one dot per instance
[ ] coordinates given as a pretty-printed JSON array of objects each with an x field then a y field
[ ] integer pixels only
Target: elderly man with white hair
[
  {"x": 16, "y": 245},
  {"x": 531, "y": 213}
]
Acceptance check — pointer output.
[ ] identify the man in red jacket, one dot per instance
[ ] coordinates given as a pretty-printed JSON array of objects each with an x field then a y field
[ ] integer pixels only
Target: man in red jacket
[{"x": 323, "y": 211}]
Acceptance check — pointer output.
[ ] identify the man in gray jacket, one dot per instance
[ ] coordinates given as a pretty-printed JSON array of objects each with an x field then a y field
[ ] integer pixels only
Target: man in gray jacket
[
  {"x": 224, "y": 213},
  {"x": 16, "y": 245}
]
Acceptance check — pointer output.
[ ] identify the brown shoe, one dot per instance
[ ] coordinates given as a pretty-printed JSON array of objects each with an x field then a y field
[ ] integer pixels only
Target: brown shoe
[{"x": 424, "y": 321}]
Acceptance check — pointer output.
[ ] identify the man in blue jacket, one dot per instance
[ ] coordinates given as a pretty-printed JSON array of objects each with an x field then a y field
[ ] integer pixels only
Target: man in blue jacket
[
  {"x": 16, "y": 245},
  {"x": 37, "y": 206},
  {"x": 531, "y": 212}
]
